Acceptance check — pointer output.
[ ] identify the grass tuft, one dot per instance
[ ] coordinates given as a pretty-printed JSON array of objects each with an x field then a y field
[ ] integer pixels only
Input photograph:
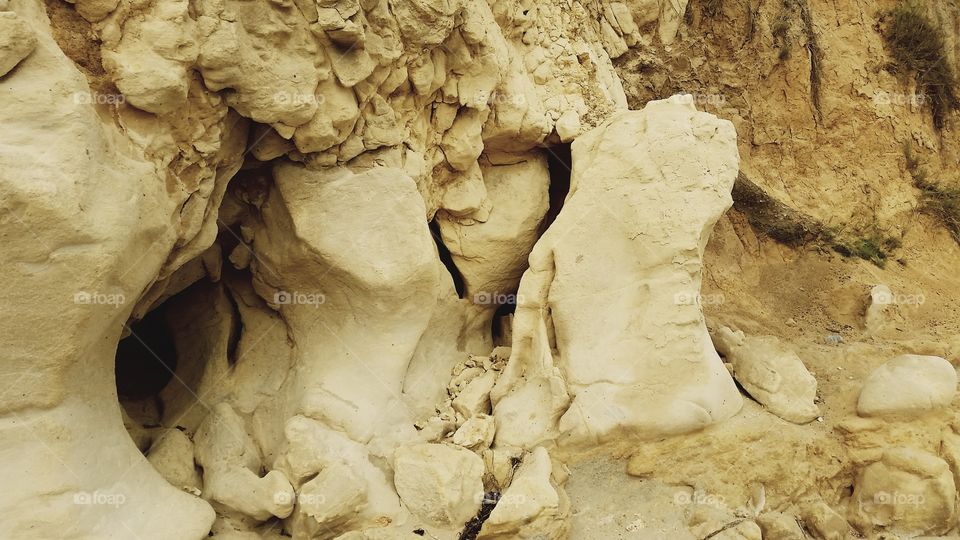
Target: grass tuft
[
  {"x": 936, "y": 199},
  {"x": 874, "y": 247},
  {"x": 918, "y": 45}
]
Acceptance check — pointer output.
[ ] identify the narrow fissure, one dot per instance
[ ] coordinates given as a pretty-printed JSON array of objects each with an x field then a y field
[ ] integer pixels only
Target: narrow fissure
[
  {"x": 447, "y": 259},
  {"x": 816, "y": 54},
  {"x": 472, "y": 528},
  {"x": 560, "y": 163}
]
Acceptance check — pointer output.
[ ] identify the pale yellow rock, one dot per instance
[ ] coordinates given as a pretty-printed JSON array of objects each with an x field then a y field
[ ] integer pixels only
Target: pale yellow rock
[
  {"x": 17, "y": 41},
  {"x": 462, "y": 143},
  {"x": 474, "y": 398},
  {"x": 91, "y": 225},
  {"x": 824, "y": 522},
  {"x": 779, "y": 526},
  {"x": 907, "y": 492},
  {"x": 149, "y": 63},
  {"x": 652, "y": 373},
  {"x": 440, "y": 483},
  {"x": 771, "y": 373},
  {"x": 908, "y": 385},
  {"x": 532, "y": 507},
  {"x": 466, "y": 194},
  {"x": 352, "y": 493},
  {"x": 231, "y": 464},
  {"x": 172, "y": 455},
  {"x": 336, "y": 115},
  {"x": 489, "y": 255},
  {"x": 476, "y": 433}
]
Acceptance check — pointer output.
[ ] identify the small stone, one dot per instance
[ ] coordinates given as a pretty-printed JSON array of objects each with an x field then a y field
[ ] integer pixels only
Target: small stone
[{"x": 476, "y": 432}]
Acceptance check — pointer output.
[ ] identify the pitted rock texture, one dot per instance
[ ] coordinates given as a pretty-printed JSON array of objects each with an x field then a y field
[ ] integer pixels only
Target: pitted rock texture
[{"x": 384, "y": 269}]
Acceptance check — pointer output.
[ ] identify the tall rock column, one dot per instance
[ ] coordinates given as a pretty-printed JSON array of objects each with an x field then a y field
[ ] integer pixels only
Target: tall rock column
[
  {"x": 88, "y": 223},
  {"x": 610, "y": 303}
]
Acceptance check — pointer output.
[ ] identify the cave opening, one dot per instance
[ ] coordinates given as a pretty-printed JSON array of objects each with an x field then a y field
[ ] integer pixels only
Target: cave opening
[
  {"x": 146, "y": 359},
  {"x": 560, "y": 165},
  {"x": 447, "y": 259}
]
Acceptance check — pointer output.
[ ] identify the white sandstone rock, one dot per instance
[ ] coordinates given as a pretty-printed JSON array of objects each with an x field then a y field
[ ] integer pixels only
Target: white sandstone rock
[
  {"x": 338, "y": 486},
  {"x": 476, "y": 433},
  {"x": 534, "y": 506},
  {"x": 172, "y": 455},
  {"x": 883, "y": 312},
  {"x": 231, "y": 465},
  {"x": 774, "y": 375},
  {"x": 440, "y": 483},
  {"x": 474, "y": 399},
  {"x": 908, "y": 385},
  {"x": 491, "y": 255},
  {"x": 17, "y": 41},
  {"x": 780, "y": 526},
  {"x": 90, "y": 224},
  {"x": 652, "y": 372}
]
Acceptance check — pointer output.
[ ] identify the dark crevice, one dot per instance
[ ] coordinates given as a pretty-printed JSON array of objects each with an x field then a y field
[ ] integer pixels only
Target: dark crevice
[
  {"x": 447, "y": 259},
  {"x": 236, "y": 328},
  {"x": 560, "y": 163},
  {"x": 816, "y": 56},
  {"x": 503, "y": 310},
  {"x": 147, "y": 358},
  {"x": 773, "y": 218},
  {"x": 472, "y": 528}
]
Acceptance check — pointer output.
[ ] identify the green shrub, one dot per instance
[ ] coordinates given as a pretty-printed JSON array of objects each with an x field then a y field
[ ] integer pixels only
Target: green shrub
[
  {"x": 875, "y": 247},
  {"x": 918, "y": 45},
  {"x": 936, "y": 199}
]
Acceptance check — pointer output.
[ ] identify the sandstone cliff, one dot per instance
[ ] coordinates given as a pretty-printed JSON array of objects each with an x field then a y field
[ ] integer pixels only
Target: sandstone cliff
[{"x": 371, "y": 269}]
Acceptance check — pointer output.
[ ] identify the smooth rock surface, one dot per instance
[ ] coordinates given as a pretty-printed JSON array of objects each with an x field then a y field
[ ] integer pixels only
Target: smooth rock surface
[
  {"x": 772, "y": 374},
  {"x": 648, "y": 372},
  {"x": 908, "y": 385}
]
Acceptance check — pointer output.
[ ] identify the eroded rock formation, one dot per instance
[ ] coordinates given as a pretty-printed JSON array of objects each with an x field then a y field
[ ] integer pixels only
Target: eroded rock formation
[{"x": 372, "y": 269}]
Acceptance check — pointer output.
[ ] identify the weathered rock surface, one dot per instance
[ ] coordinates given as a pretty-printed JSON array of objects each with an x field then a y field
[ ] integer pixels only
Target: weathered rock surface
[
  {"x": 648, "y": 372},
  {"x": 907, "y": 492},
  {"x": 17, "y": 40},
  {"x": 772, "y": 374},
  {"x": 440, "y": 483},
  {"x": 534, "y": 506},
  {"x": 239, "y": 193},
  {"x": 908, "y": 385}
]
